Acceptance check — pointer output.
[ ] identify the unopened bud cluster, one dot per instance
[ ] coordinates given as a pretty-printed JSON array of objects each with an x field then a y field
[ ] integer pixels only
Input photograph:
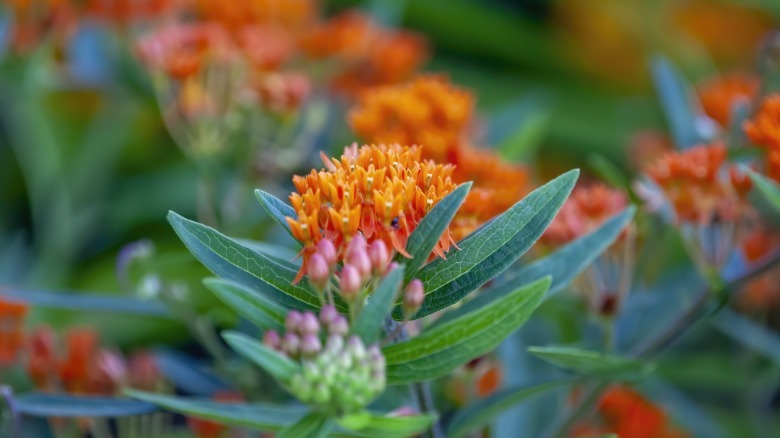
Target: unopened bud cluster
[
  {"x": 342, "y": 376},
  {"x": 361, "y": 262}
]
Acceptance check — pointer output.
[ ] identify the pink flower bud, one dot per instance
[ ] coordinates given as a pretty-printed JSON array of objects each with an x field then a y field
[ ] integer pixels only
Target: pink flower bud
[
  {"x": 357, "y": 256},
  {"x": 143, "y": 372},
  {"x": 339, "y": 326},
  {"x": 272, "y": 339},
  {"x": 350, "y": 282},
  {"x": 291, "y": 344},
  {"x": 309, "y": 324},
  {"x": 413, "y": 297},
  {"x": 379, "y": 256},
  {"x": 110, "y": 371},
  {"x": 293, "y": 321},
  {"x": 318, "y": 271},
  {"x": 310, "y": 345},
  {"x": 327, "y": 250},
  {"x": 328, "y": 314},
  {"x": 403, "y": 411},
  {"x": 357, "y": 244}
]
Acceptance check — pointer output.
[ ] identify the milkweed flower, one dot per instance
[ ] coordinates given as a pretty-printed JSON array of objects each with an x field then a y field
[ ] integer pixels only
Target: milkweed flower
[
  {"x": 607, "y": 281},
  {"x": 627, "y": 413},
  {"x": 369, "y": 54},
  {"x": 707, "y": 197},
  {"x": 12, "y": 316},
  {"x": 764, "y": 128},
  {"x": 289, "y": 14},
  {"x": 431, "y": 112},
  {"x": 379, "y": 191},
  {"x": 718, "y": 95}
]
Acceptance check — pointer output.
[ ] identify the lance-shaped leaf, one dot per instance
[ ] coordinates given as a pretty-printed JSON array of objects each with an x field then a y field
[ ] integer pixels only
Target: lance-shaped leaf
[
  {"x": 493, "y": 248},
  {"x": 447, "y": 346},
  {"x": 482, "y": 412},
  {"x": 187, "y": 373},
  {"x": 748, "y": 333},
  {"x": 766, "y": 194},
  {"x": 273, "y": 418},
  {"x": 278, "y": 365},
  {"x": 373, "y": 425},
  {"x": 563, "y": 265},
  {"x": 313, "y": 425},
  {"x": 66, "y": 405},
  {"x": 276, "y": 208},
  {"x": 592, "y": 362},
  {"x": 257, "y": 308},
  {"x": 677, "y": 101},
  {"x": 232, "y": 261},
  {"x": 91, "y": 302},
  {"x": 369, "y": 323},
  {"x": 428, "y": 232}
]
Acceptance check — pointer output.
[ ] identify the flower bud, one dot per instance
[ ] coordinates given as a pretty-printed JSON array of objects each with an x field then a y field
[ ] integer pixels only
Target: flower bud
[
  {"x": 328, "y": 314},
  {"x": 350, "y": 282},
  {"x": 309, "y": 324},
  {"x": 272, "y": 339},
  {"x": 413, "y": 297},
  {"x": 339, "y": 326},
  {"x": 327, "y": 250},
  {"x": 318, "y": 271},
  {"x": 293, "y": 321},
  {"x": 379, "y": 256},
  {"x": 357, "y": 256},
  {"x": 110, "y": 372},
  {"x": 356, "y": 348},
  {"x": 404, "y": 411},
  {"x": 291, "y": 344},
  {"x": 310, "y": 345},
  {"x": 335, "y": 343}
]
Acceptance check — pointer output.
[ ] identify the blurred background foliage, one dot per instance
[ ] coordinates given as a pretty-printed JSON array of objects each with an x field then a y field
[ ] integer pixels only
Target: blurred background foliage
[{"x": 87, "y": 165}]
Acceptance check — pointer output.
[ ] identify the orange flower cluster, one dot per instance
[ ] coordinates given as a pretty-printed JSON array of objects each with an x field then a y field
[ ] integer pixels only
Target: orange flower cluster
[
  {"x": 12, "y": 315},
  {"x": 371, "y": 55},
  {"x": 290, "y": 14},
  {"x": 583, "y": 212},
  {"x": 85, "y": 368},
  {"x": 693, "y": 182},
  {"x": 431, "y": 112},
  {"x": 719, "y": 94},
  {"x": 628, "y": 414},
  {"x": 478, "y": 379},
  {"x": 381, "y": 191},
  {"x": 764, "y": 131}
]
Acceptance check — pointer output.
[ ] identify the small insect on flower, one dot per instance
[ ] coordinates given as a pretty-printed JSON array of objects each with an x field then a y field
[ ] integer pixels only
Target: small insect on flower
[{"x": 370, "y": 193}]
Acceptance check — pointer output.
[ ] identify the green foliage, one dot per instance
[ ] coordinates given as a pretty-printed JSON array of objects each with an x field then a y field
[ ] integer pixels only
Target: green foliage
[
  {"x": 232, "y": 261},
  {"x": 493, "y": 248},
  {"x": 276, "y": 364},
  {"x": 441, "y": 349},
  {"x": 679, "y": 104},
  {"x": 481, "y": 413},
  {"x": 765, "y": 196},
  {"x": 368, "y": 324},
  {"x": 428, "y": 232},
  {"x": 264, "y": 313},
  {"x": 74, "y": 406},
  {"x": 313, "y": 424},
  {"x": 275, "y": 208},
  {"x": 592, "y": 362}
]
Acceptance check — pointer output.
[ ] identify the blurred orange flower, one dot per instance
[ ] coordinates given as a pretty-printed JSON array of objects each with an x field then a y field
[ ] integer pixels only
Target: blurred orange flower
[
  {"x": 381, "y": 191},
  {"x": 764, "y": 128},
  {"x": 12, "y": 315},
  {"x": 290, "y": 14},
  {"x": 719, "y": 94},
  {"x": 585, "y": 210}
]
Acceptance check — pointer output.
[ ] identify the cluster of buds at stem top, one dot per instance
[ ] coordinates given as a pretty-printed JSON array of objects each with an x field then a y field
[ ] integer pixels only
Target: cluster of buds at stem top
[
  {"x": 341, "y": 376},
  {"x": 362, "y": 262}
]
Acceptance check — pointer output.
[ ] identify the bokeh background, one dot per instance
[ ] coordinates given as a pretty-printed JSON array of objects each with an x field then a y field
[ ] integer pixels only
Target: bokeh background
[{"x": 89, "y": 168}]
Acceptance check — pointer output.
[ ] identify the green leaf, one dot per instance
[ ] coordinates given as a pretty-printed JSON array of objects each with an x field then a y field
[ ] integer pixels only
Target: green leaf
[
  {"x": 278, "y": 365},
  {"x": 276, "y": 208},
  {"x": 187, "y": 373},
  {"x": 608, "y": 171},
  {"x": 493, "y": 248},
  {"x": 748, "y": 333},
  {"x": 232, "y": 261},
  {"x": 380, "y": 426},
  {"x": 273, "y": 418},
  {"x": 64, "y": 405},
  {"x": 92, "y": 302},
  {"x": 253, "y": 416},
  {"x": 592, "y": 362},
  {"x": 258, "y": 309},
  {"x": 428, "y": 232},
  {"x": 313, "y": 424},
  {"x": 447, "y": 346},
  {"x": 519, "y": 128},
  {"x": 369, "y": 323},
  {"x": 280, "y": 254},
  {"x": 678, "y": 104},
  {"x": 563, "y": 265},
  {"x": 481, "y": 413},
  {"x": 766, "y": 194}
]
